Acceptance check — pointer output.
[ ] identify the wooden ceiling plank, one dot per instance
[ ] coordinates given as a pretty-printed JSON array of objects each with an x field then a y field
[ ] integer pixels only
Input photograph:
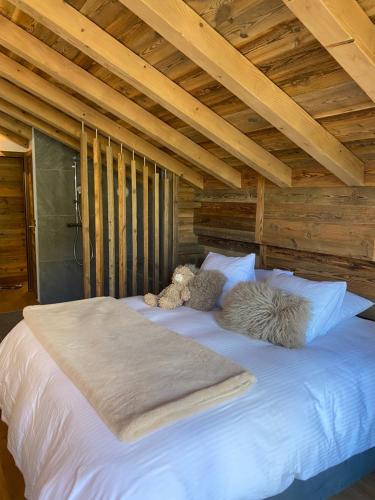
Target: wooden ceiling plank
[
  {"x": 193, "y": 36},
  {"x": 56, "y": 65},
  {"x": 345, "y": 30},
  {"x": 33, "y": 83},
  {"x": 82, "y": 33}
]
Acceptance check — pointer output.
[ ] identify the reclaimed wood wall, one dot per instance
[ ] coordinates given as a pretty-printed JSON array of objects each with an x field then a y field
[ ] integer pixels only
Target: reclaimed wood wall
[
  {"x": 334, "y": 221},
  {"x": 320, "y": 232},
  {"x": 188, "y": 248},
  {"x": 323, "y": 233}
]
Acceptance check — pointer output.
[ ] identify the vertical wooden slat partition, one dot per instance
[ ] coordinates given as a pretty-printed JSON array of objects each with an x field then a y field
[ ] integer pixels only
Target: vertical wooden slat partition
[
  {"x": 259, "y": 218},
  {"x": 160, "y": 244},
  {"x": 111, "y": 222},
  {"x": 156, "y": 233},
  {"x": 166, "y": 207},
  {"x": 85, "y": 217},
  {"x": 174, "y": 221},
  {"x": 133, "y": 175},
  {"x": 98, "y": 197},
  {"x": 121, "y": 173},
  {"x": 145, "y": 228}
]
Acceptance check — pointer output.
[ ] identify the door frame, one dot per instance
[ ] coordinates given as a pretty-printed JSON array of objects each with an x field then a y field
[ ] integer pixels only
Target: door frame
[{"x": 28, "y": 185}]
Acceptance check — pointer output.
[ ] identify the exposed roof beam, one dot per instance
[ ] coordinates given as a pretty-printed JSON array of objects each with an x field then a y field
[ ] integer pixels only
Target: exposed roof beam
[
  {"x": 9, "y": 112},
  {"x": 66, "y": 132},
  {"x": 345, "y": 30},
  {"x": 16, "y": 138},
  {"x": 74, "y": 107},
  {"x": 53, "y": 63},
  {"x": 192, "y": 35},
  {"x": 15, "y": 126},
  {"x": 113, "y": 55},
  {"x": 27, "y": 109}
]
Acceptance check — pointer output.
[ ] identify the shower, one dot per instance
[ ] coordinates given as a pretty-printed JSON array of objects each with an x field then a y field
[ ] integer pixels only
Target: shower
[{"x": 78, "y": 218}]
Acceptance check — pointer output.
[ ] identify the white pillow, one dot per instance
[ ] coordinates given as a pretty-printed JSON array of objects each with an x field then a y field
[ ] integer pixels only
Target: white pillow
[
  {"x": 264, "y": 274},
  {"x": 352, "y": 305},
  {"x": 235, "y": 269},
  {"x": 326, "y": 298}
]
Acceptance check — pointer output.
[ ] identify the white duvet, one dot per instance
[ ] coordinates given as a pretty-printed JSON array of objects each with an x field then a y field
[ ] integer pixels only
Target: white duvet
[{"x": 310, "y": 409}]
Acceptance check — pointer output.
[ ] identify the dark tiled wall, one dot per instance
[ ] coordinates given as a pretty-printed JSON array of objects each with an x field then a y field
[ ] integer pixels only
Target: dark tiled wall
[{"x": 60, "y": 278}]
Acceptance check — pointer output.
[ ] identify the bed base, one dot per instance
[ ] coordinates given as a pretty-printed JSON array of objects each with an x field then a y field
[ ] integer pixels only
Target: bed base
[{"x": 331, "y": 481}]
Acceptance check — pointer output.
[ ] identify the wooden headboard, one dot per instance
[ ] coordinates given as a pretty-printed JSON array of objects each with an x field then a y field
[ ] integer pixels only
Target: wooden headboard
[{"x": 359, "y": 274}]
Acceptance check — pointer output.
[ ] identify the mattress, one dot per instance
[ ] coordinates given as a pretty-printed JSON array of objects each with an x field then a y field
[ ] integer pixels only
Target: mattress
[{"x": 310, "y": 409}]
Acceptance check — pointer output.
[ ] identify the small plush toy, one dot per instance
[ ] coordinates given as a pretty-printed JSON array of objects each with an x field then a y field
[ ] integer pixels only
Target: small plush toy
[{"x": 175, "y": 294}]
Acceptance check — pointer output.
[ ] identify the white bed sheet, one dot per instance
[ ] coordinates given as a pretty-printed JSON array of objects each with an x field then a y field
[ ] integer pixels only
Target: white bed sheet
[{"x": 310, "y": 409}]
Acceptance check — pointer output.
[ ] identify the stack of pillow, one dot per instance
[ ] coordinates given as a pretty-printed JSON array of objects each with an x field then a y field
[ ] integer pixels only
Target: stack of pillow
[{"x": 276, "y": 305}]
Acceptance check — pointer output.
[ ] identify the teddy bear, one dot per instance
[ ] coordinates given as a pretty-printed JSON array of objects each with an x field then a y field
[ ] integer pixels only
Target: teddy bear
[{"x": 176, "y": 293}]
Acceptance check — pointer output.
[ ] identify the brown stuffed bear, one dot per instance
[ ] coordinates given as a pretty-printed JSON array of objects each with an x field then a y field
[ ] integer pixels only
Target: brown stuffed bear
[{"x": 175, "y": 294}]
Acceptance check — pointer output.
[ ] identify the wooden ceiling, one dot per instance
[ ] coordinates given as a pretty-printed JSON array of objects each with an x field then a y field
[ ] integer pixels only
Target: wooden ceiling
[{"x": 269, "y": 35}]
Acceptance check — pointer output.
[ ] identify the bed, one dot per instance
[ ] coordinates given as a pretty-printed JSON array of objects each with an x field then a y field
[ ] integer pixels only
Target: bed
[{"x": 310, "y": 410}]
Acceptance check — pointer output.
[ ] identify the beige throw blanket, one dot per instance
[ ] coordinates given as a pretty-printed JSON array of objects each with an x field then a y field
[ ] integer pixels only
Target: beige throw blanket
[{"x": 137, "y": 375}]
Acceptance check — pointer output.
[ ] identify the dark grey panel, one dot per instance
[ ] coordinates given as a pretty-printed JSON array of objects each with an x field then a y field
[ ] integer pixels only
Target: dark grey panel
[
  {"x": 56, "y": 239},
  {"x": 60, "y": 277},
  {"x": 55, "y": 191},
  {"x": 60, "y": 281},
  {"x": 52, "y": 154}
]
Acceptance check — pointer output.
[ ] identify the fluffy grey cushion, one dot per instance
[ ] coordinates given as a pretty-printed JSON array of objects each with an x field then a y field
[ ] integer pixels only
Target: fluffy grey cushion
[
  {"x": 205, "y": 288},
  {"x": 265, "y": 313}
]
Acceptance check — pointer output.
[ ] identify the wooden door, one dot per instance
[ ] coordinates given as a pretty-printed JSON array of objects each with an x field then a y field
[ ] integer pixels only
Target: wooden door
[{"x": 13, "y": 227}]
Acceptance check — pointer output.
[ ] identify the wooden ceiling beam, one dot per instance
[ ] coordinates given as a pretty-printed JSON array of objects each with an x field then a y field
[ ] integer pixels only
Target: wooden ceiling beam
[
  {"x": 25, "y": 78},
  {"x": 345, "y": 30},
  {"x": 82, "y": 33},
  {"x": 34, "y": 112},
  {"x": 9, "y": 112},
  {"x": 16, "y": 127},
  {"x": 33, "y": 50},
  {"x": 16, "y": 138},
  {"x": 180, "y": 25}
]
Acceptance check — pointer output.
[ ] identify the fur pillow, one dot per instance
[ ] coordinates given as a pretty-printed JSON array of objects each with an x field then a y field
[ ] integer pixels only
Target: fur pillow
[
  {"x": 205, "y": 288},
  {"x": 266, "y": 313}
]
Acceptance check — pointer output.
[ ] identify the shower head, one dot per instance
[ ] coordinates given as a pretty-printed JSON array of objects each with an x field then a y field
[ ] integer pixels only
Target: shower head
[{"x": 75, "y": 160}]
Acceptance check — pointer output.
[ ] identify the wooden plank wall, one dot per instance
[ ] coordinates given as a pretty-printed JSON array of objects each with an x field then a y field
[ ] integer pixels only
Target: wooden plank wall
[
  {"x": 188, "y": 248},
  {"x": 225, "y": 219},
  {"x": 324, "y": 231},
  {"x": 359, "y": 274},
  {"x": 13, "y": 253},
  {"x": 336, "y": 221}
]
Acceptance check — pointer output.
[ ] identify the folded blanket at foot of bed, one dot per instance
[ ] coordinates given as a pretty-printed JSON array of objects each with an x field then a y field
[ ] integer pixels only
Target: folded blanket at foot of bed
[{"x": 137, "y": 375}]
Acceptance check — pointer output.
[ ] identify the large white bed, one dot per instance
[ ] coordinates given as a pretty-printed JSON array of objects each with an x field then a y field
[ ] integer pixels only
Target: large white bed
[{"x": 310, "y": 409}]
